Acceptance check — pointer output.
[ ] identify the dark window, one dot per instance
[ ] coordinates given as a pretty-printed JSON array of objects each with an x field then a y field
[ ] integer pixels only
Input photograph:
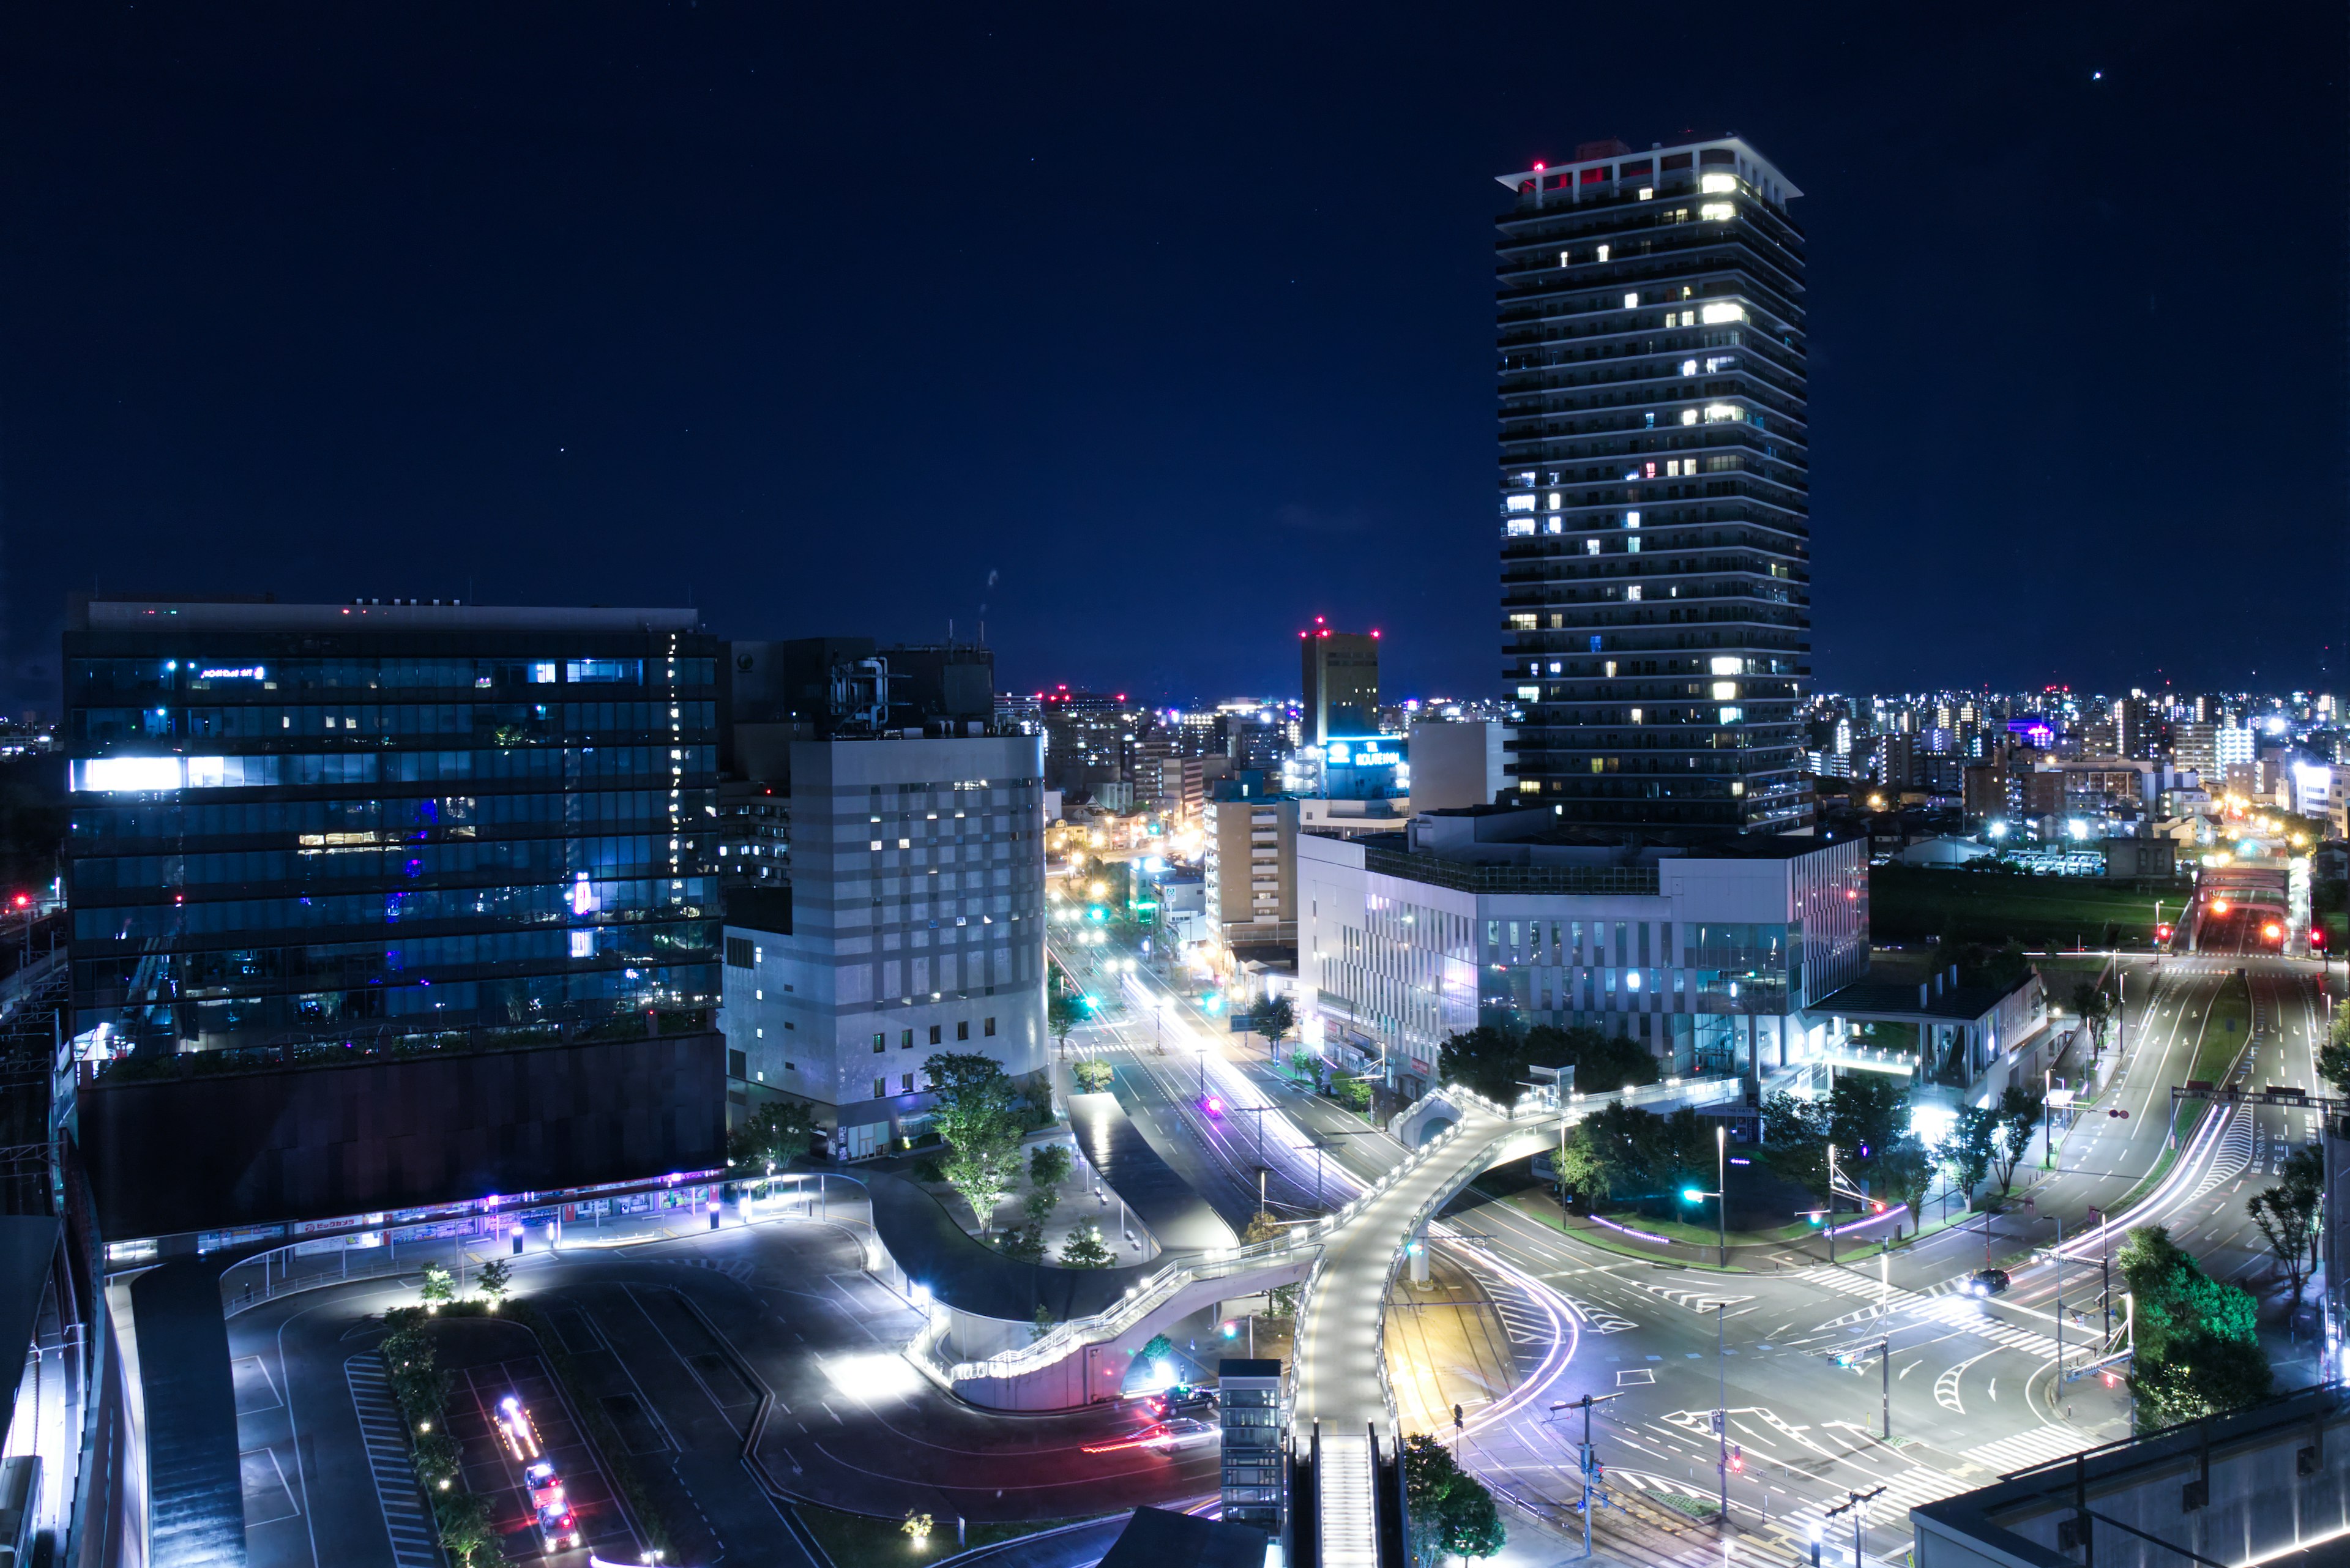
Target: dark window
[
  {"x": 877, "y": 1045},
  {"x": 962, "y": 1029},
  {"x": 738, "y": 952},
  {"x": 934, "y": 1033},
  {"x": 1676, "y": 161},
  {"x": 990, "y": 1030},
  {"x": 1633, "y": 170},
  {"x": 880, "y": 1087},
  {"x": 791, "y": 1066},
  {"x": 1713, "y": 155},
  {"x": 738, "y": 1064},
  {"x": 1592, "y": 176},
  {"x": 905, "y": 1040},
  {"x": 907, "y": 1080}
]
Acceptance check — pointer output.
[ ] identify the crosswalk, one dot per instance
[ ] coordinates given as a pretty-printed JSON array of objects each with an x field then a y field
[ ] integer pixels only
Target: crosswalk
[
  {"x": 1940, "y": 1303},
  {"x": 413, "y": 1538},
  {"x": 2024, "y": 1449},
  {"x": 1695, "y": 1300}
]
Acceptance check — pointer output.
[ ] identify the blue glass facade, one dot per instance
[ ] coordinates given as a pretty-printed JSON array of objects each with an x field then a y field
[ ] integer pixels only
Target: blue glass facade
[{"x": 300, "y": 829}]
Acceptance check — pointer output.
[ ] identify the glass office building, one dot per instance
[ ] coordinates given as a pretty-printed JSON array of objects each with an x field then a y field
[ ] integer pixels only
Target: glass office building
[
  {"x": 1654, "y": 485},
  {"x": 358, "y": 821}
]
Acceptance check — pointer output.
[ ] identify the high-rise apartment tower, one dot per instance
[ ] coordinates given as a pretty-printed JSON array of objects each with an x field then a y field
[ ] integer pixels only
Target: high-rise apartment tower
[
  {"x": 1653, "y": 486},
  {"x": 1341, "y": 674}
]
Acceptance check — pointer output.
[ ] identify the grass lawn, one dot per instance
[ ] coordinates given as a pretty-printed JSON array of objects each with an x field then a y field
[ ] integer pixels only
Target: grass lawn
[
  {"x": 852, "y": 1538},
  {"x": 1910, "y": 903},
  {"x": 2227, "y": 1030}
]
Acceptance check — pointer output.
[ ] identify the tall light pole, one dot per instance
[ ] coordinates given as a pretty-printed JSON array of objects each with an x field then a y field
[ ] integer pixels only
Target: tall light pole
[{"x": 1697, "y": 1194}]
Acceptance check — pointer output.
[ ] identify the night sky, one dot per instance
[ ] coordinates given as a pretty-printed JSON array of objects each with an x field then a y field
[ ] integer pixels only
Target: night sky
[{"x": 1147, "y": 333}]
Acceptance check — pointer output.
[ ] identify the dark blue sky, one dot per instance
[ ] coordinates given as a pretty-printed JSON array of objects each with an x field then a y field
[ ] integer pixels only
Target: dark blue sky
[{"x": 1153, "y": 331}]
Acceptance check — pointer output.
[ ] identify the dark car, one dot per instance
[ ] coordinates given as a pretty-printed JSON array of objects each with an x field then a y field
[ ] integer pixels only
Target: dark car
[
  {"x": 1181, "y": 1401},
  {"x": 1986, "y": 1281}
]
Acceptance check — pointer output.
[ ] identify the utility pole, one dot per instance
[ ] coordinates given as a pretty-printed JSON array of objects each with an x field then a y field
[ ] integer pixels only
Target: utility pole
[
  {"x": 1721, "y": 1411},
  {"x": 1884, "y": 1365},
  {"x": 1720, "y": 1191},
  {"x": 1589, "y": 1461},
  {"x": 1852, "y": 1505}
]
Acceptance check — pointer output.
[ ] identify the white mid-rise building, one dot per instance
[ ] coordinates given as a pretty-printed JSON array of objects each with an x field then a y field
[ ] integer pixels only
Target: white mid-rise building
[
  {"x": 1706, "y": 954},
  {"x": 913, "y": 923}
]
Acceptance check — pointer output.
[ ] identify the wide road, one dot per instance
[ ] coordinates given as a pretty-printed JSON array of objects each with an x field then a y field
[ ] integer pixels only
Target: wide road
[{"x": 1971, "y": 1391}]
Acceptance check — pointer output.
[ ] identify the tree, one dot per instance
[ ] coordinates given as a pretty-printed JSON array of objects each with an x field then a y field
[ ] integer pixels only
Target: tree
[
  {"x": 774, "y": 1134},
  {"x": 495, "y": 1279},
  {"x": 2199, "y": 1375},
  {"x": 1579, "y": 1171},
  {"x": 1904, "y": 1172},
  {"x": 2174, "y": 1300},
  {"x": 1968, "y": 1148},
  {"x": 1796, "y": 1141},
  {"x": 1449, "y": 1509},
  {"x": 2334, "y": 1056},
  {"x": 439, "y": 1288},
  {"x": 2286, "y": 1215},
  {"x": 1276, "y": 1018},
  {"x": 465, "y": 1527},
  {"x": 1498, "y": 1063},
  {"x": 1049, "y": 1165},
  {"x": 1355, "y": 1093},
  {"x": 1639, "y": 1154},
  {"x": 1866, "y": 1111},
  {"x": 1023, "y": 1242},
  {"x": 1062, "y": 1014},
  {"x": 1093, "y": 1075},
  {"x": 1158, "y": 1348},
  {"x": 1262, "y": 1227},
  {"x": 1042, "y": 1323},
  {"x": 2096, "y": 1006},
  {"x": 975, "y": 1112},
  {"x": 1084, "y": 1249},
  {"x": 2019, "y": 1118},
  {"x": 1485, "y": 1059}
]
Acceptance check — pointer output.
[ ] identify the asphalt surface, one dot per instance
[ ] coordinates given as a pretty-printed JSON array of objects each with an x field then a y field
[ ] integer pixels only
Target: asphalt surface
[
  {"x": 678, "y": 1339},
  {"x": 1969, "y": 1385}
]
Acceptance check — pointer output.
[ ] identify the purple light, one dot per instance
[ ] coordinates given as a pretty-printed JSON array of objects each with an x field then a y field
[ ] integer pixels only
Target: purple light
[
  {"x": 1644, "y": 1235},
  {"x": 1871, "y": 1220}
]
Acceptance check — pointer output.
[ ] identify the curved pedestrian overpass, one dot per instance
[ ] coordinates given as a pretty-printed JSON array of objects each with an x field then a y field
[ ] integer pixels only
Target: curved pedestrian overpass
[{"x": 1452, "y": 1135}]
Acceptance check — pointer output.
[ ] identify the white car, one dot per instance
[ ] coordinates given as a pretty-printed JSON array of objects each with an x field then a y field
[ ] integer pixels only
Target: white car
[{"x": 1183, "y": 1432}]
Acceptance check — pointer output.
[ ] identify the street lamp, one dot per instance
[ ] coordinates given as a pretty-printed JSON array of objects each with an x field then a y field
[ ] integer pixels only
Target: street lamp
[{"x": 1695, "y": 1195}]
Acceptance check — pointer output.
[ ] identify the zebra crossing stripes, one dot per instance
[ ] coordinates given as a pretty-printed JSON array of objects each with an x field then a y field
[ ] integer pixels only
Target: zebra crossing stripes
[
  {"x": 2024, "y": 1449},
  {"x": 1904, "y": 1489},
  {"x": 1943, "y": 1304},
  {"x": 414, "y": 1542}
]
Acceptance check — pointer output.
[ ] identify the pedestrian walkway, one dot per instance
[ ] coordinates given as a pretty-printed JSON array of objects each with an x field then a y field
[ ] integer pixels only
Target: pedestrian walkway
[
  {"x": 414, "y": 1541},
  {"x": 2024, "y": 1449}
]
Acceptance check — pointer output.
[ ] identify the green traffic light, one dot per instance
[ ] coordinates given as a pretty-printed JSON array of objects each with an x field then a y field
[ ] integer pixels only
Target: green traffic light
[{"x": 1691, "y": 1195}]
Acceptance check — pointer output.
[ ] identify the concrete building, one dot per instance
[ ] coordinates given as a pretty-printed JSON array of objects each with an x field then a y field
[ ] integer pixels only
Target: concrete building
[
  {"x": 1251, "y": 871},
  {"x": 1167, "y": 777},
  {"x": 1707, "y": 955},
  {"x": 1340, "y": 670},
  {"x": 1459, "y": 764},
  {"x": 912, "y": 923},
  {"x": 1652, "y": 488}
]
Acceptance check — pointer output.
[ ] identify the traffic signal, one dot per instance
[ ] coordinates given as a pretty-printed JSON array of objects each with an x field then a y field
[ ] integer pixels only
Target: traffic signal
[
  {"x": 2162, "y": 934},
  {"x": 1737, "y": 1457},
  {"x": 1876, "y": 1206},
  {"x": 1231, "y": 1328},
  {"x": 1691, "y": 1195}
]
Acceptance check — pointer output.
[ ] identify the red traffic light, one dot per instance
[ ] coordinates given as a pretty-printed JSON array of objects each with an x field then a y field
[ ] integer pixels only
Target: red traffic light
[
  {"x": 1876, "y": 1206},
  {"x": 2163, "y": 932},
  {"x": 2317, "y": 936}
]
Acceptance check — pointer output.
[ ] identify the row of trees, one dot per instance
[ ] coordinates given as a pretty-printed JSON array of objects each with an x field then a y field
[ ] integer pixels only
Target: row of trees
[{"x": 1498, "y": 1063}]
